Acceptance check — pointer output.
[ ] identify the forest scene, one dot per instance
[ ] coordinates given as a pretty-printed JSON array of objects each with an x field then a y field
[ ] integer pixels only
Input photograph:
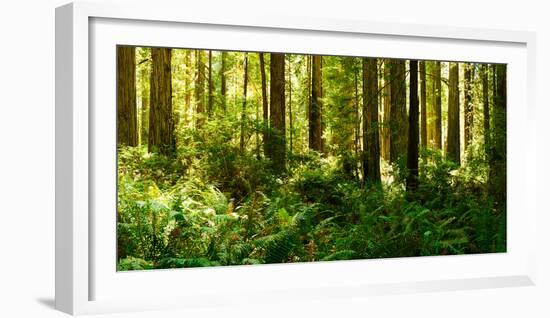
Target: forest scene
[{"x": 244, "y": 158}]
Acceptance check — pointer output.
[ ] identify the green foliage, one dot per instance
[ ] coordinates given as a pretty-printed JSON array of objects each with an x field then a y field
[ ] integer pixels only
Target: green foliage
[{"x": 214, "y": 203}]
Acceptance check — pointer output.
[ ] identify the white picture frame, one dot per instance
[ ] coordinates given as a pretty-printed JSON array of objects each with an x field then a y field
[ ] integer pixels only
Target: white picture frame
[{"x": 85, "y": 280}]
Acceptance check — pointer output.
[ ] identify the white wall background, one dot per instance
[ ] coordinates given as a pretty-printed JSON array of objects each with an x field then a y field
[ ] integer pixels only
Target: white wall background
[{"x": 27, "y": 158}]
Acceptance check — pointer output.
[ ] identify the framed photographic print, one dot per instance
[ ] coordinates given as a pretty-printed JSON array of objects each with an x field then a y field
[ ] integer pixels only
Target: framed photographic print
[{"x": 199, "y": 156}]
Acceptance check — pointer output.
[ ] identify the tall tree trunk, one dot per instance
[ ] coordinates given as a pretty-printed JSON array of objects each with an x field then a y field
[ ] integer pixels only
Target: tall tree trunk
[
  {"x": 161, "y": 121},
  {"x": 188, "y": 80},
  {"x": 486, "y": 115},
  {"x": 291, "y": 131},
  {"x": 308, "y": 94},
  {"x": 145, "y": 94},
  {"x": 277, "y": 142},
  {"x": 199, "y": 89},
  {"x": 437, "y": 106},
  {"x": 265, "y": 106},
  {"x": 468, "y": 106},
  {"x": 453, "y": 116},
  {"x": 223, "y": 86},
  {"x": 315, "y": 129},
  {"x": 371, "y": 161},
  {"x": 127, "y": 124},
  {"x": 386, "y": 106},
  {"x": 497, "y": 162},
  {"x": 398, "y": 121},
  {"x": 412, "y": 149},
  {"x": 210, "y": 90},
  {"x": 357, "y": 110},
  {"x": 243, "y": 110},
  {"x": 423, "y": 110}
]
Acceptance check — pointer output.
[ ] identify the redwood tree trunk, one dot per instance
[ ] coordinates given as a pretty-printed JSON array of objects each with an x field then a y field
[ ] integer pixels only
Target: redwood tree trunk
[
  {"x": 127, "y": 124},
  {"x": 243, "y": 110},
  {"x": 277, "y": 142},
  {"x": 453, "y": 116},
  {"x": 223, "y": 84},
  {"x": 486, "y": 115},
  {"x": 371, "y": 160},
  {"x": 315, "y": 128},
  {"x": 423, "y": 110},
  {"x": 412, "y": 149},
  {"x": 161, "y": 122},
  {"x": 468, "y": 106},
  {"x": 398, "y": 120},
  {"x": 265, "y": 106},
  {"x": 210, "y": 90},
  {"x": 199, "y": 89},
  {"x": 497, "y": 162},
  {"x": 437, "y": 106},
  {"x": 291, "y": 131},
  {"x": 385, "y": 130}
]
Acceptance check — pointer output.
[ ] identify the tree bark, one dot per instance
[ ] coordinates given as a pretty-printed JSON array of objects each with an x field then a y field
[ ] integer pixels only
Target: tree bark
[
  {"x": 188, "y": 81},
  {"x": 127, "y": 124},
  {"x": 199, "y": 89},
  {"x": 437, "y": 106},
  {"x": 265, "y": 105},
  {"x": 423, "y": 110},
  {"x": 453, "y": 116},
  {"x": 412, "y": 149},
  {"x": 161, "y": 121},
  {"x": 497, "y": 162},
  {"x": 277, "y": 142},
  {"x": 291, "y": 131},
  {"x": 398, "y": 110},
  {"x": 468, "y": 106},
  {"x": 210, "y": 90},
  {"x": 223, "y": 84},
  {"x": 243, "y": 110},
  {"x": 486, "y": 114},
  {"x": 315, "y": 129},
  {"x": 371, "y": 160},
  {"x": 145, "y": 95},
  {"x": 385, "y": 130}
]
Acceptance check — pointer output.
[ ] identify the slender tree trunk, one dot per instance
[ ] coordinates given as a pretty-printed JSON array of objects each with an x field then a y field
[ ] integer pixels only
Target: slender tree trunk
[
  {"x": 223, "y": 86},
  {"x": 145, "y": 94},
  {"x": 437, "y": 106},
  {"x": 468, "y": 106},
  {"x": 308, "y": 93},
  {"x": 412, "y": 149},
  {"x": 210, "y": 90},
  {"x": 486, "y": 115},
  {"x": 398, "y": 121},
  {"x": 430, "y": 93},
  {"x": 385, "y": 129},
  {"x": 453, "y": 116},
  {"x": 371, "y": 160},
  {"x": 423, "y": 110},
  {"x": 290, "y": 102},
  {"x": 357, "y": 119},
  {"x": 188, "y": 80},
  {"x": 320, "y": 97},
  {"x": 315, "y": 129},
  {"x": 265, "y": 106},
  {"x": 277, "y": 143},
  {"x": 161, "y": 121},
  {"x": 199, "y": 89},
  {"x": 243, "y": 110},
  {"x": 127, "y": 124},
  {"x": 497, "y": 162}
]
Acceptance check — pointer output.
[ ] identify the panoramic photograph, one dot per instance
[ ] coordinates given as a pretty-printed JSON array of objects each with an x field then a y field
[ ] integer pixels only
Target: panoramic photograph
[{"x": 246, "y": 158}]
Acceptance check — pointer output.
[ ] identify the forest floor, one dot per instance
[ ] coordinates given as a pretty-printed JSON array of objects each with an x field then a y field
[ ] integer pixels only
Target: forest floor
[{"x": 211, "y": 205}]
